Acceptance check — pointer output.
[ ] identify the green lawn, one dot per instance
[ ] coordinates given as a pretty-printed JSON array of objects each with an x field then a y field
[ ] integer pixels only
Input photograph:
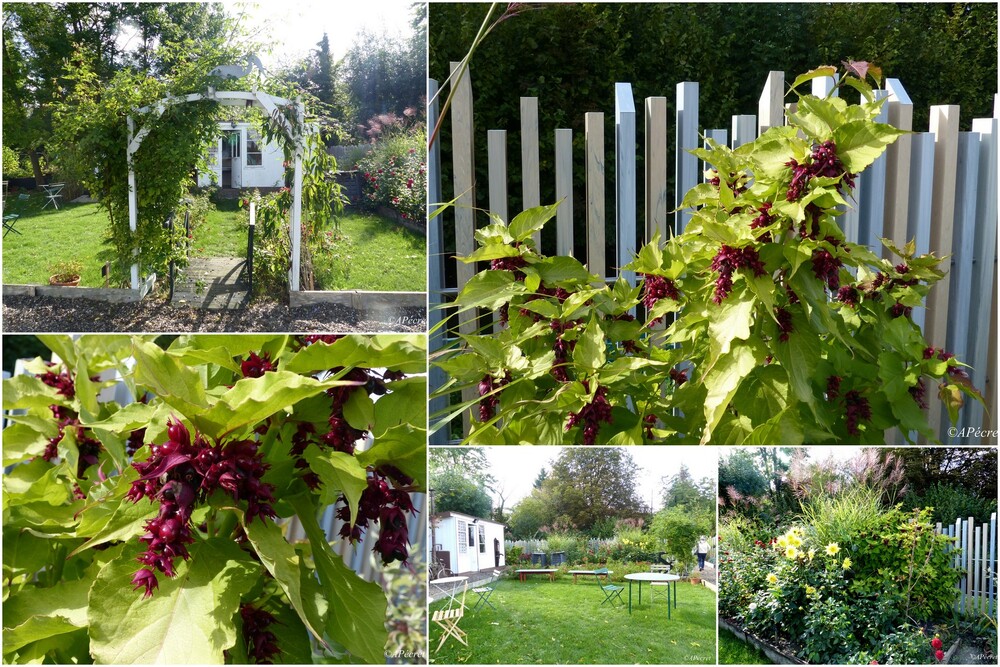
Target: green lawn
[
  {"x": 544, "y": 622},
  {"x": 734, "y": 652},
  {"x": 223, "y": 234},
  {"x": 372, "y": 253},
  {"x": 75, "y": 232}
]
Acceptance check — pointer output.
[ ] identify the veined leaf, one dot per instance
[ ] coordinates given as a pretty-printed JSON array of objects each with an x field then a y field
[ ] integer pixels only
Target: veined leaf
[
  {"x": 860, "y": 143},
  {"x": 590, "y": 352},
  {"x": 403, "y": 446},
  {"x": 722, "y": 381},
  {"x": 531, "y": 220},
  {"x": 176, "y": 383},
  {"x": 406, "y": 353},
  {"x": 340, "y": 473}
]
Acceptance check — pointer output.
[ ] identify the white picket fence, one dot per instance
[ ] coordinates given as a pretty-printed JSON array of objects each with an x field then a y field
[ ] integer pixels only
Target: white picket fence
[
  {"x": 975, "y": 554},
  {"x": 937, "y": 187}
]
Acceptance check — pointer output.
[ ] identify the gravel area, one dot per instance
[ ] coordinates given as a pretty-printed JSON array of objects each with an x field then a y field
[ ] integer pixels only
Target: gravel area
[{"x": 155, "y": 314}]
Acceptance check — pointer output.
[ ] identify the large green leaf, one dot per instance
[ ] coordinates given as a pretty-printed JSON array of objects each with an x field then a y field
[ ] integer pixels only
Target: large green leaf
[
  {"x": 340, "y": 473},
  {"x": 176, "y": 383},
  {"x": 114, "y": 520},
  {"x": 729, "y": 322},
  {"x": 34, "y": 629},
  {"x": 798, "y": 356},
  {"x": 27, "y": 612},
  {"x": 21, "y": 442},
  {"x": 356, "y": 615},
  {"x": 406, "y": 403},
  {"x": 590, "y": 352},
  {"x": 188, "y": 620},
  {"x": 403, "y": 446},
  {"x": 859, "y": 143},
  {"x": 359, "y": 410},
  {"x": 406, "y": 353},
  {"x": 281, "y": 560},
  {"x": 723, "y": 381},
  {"x": 35, "y": 482},
  {"x": 531, "y": 220},
  {"x": 28, "y": 392}
]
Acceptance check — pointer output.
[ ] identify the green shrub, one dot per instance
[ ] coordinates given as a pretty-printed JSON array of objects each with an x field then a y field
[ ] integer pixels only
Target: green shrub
[
  {"x": 950, "y": 502},
  {"x": 837, "y": 519},
  {"x": 13, "y": 167}
]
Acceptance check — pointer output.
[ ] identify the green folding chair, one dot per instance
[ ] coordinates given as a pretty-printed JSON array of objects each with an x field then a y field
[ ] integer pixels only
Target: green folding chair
[
  {"x": 611, "y": 591},
  {"x": 485, "y": 591}
]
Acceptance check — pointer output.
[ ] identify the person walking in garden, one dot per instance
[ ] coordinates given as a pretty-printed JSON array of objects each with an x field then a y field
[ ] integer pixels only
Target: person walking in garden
[
  {"x": 496, "y": 551},
  {"x": 701, "y": 550}
]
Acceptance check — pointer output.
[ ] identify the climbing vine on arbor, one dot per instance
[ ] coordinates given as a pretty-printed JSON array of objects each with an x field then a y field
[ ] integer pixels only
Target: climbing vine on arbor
[
  {"x": 759, "y": 324},
  {"x": 118, "y": 512}
]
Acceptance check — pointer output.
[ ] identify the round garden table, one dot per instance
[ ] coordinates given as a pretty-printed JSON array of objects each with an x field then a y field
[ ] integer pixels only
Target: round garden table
[
  {"x": 651, "y": 577},
  {"x": 446, "y": 586}
]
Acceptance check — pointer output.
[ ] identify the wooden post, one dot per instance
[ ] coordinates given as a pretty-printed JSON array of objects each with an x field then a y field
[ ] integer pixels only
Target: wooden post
[
  {"x": 594, "y": 129},
  {"x": 133, "y": 205},
  {"x": 686, "y": 174},
  {"x": 625, "y": 222},
  {"x": 982, "y": 271},
  {"x": 897, "y": 172},
  {"x": 770, "y": 107},
  {"x": 824, "y": 85},
  {"x": 496, "y": 145},
  {"x": 657, "y": 200},
  {"x": 744, "y": 129},
  {"x": 944, "y": 126},
  {"x": 300, "y": 117},
  {"x": 564, "y": 192},
  {"x": 462, "y": 156},
  {"x": 435, "y": 265},
  {"x": 871, "y": 198},
  {"x": 530, "y": 181},
  {"x": 919, "y": 208}
]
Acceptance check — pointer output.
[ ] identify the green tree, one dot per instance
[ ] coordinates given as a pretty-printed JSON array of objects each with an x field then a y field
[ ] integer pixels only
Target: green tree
[
  {"x": 453, "y": 492},
  {"x": 739, "y": 477},
  {"x": 385, "y": 75},
  {"x": 530, "y": 515},
  {"x": 588, "y": 485}
]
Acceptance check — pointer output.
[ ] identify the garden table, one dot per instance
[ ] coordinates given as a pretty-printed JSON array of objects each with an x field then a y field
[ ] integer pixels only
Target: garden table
[
  {"x": 446, "y": 586},
  {"x": 53, "y": 191},
  {"x": 651, "y": 577},
  {"x": 523, "y": 574}
]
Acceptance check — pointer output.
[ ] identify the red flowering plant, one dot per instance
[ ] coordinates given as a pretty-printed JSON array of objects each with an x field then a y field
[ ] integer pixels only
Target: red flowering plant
[
  {"x": 395, "y": 173},
  {"x": 780, "y": 331},
  {"x": 120, "y": 513}
]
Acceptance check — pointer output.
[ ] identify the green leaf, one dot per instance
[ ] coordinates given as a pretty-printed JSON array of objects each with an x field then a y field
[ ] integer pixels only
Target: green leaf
[
  {"x": 406, "y": 403},
  {"x": 340, "y": 473},
  {"x": 553, "y": 270},
  {"x": 176, "y": 383},
  {"x": 356, "y": 617},
  {"x": 489, "y": 289},
  {"x": 21, "y": 442},
  {"x": 359, "y": 410},
  {"x": 729, "y": 322},
  {"x": 112, "y": 520},
  {"x": 490, "y": 252},
  {"x": 403, "y": 446},
  {"x": 859, "y": 143},
  {"x": 189, "y": 618},
  {"x": 406, "y": 353},
  {"x": 530, "y": 221},
  {"x": 825, "y": 70},
  {"x": 67, "y": 600},
  {"x": 36, "y": 482},
  {"x": 62, "y": 345},
  {"x": 281, "y": 560},
  {"x": 798, "y": 356},
  {"x": 34, "y": 629},
  {"x": 28, "y": 392},
  {"x": 722, "y": 381},
  {"x": 590, "y": 351}
]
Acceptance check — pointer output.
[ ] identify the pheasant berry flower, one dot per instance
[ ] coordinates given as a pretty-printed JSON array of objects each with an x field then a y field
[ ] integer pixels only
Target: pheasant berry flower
[
  {"x": 261, "y": 643},
  {"x": 591, "y": 415},
  {"x": 726, "y": 261},
  {"x": 656, "y": 288},
  {"x": 255, "y": 366},
  {"x": 386, "y": 504}
]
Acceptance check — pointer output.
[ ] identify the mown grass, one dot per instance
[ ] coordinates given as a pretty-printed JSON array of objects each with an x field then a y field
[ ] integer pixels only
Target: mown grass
[
  {"x": 222, "y": 234},
  {"x": 74, "y": 232},
  {"x": 371, "y": 253},
  {"x": 559, "y": 622},
  {"x": 734, "y": 652}
]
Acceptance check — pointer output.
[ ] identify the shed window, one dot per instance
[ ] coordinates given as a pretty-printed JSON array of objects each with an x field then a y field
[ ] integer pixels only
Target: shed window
[
  {"x": 482, "y": 539},
  {"x": 462, "y": 544},
  {"x": 255, "y": 155},
  {"x": 472, "y": 535}
]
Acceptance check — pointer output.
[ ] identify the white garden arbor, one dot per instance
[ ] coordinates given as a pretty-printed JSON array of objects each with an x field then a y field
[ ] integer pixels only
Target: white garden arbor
[{"x": 295, "y": 133}]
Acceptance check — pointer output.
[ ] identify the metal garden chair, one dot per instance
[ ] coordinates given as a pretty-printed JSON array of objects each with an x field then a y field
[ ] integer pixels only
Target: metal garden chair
[
  {"x": 484, "y": 592},
  {"x": 660, "y": 589},
  {"x": 448, "y": 620},
  {"x": 10, "y": 219},
  {"x": 611, "y": 591}
]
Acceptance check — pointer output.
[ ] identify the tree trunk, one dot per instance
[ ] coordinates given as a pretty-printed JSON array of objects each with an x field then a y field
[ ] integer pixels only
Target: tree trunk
[{"x": 36, "y": 166}]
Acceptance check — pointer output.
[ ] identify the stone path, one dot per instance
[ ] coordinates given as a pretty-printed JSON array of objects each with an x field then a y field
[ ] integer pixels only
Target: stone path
[{"x": 212, "y": 283}]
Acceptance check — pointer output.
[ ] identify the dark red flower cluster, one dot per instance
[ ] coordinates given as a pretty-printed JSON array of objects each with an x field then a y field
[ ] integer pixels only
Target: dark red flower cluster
[
  {"x": 591, "y": 415},
  {"x": 918, "y": 392},
  {"x": 858, "y": 410},
  {"x": 488, "y": 402},
  {"x": 255, "y": 366},
  {"x": 784, "y": 323},
  {"x": 955, "y": 371},
  {"x": 826, "y": 268},
  {"x": 679, "y": 377},
  {"x": 261, "y": 643},
  {"x": 320, "y": 338},
  {"x": 563, "y": 349},
  {"x": 61, "y": 382},
  {"x": 387, "y": 505},
  {"x": 513, "y": 264},
  {"x": 848, "y": 294},
  {"x": 899, "y": 310},
  {"x": 727, "y": 260},
  {"x": 832, "y": 387},
  {"x": 648, "y": 422},
  {"x": 181, "y": 472},
  {"x": 89, "y": 448},
  {"x": 656, "y": 288},
  {"x": 823, "y": 162},
  {"x": 763, "y": 220}
]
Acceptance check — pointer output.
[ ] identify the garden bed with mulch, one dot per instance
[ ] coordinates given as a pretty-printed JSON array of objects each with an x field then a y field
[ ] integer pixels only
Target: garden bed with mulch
[{"x": 155, "y": 314}]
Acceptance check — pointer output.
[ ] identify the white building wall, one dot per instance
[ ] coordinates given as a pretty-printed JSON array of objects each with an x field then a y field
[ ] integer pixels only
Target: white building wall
[{"x": 269, "y": 174}]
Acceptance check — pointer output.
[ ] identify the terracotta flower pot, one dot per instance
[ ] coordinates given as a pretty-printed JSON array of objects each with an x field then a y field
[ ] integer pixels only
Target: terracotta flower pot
[{"x": 65, "y": 281}]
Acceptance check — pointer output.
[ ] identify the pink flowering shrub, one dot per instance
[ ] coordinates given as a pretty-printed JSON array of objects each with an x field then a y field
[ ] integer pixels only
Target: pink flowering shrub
[{"x": 395, "y": 174}]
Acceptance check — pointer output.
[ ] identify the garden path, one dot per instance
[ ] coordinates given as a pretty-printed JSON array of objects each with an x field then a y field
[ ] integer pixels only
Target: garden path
[{"x": 213, "y": 283}]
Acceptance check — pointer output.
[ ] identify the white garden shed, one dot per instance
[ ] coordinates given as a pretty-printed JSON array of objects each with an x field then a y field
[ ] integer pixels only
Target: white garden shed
[
  {"x": 467, "y": 543},
  {"x": 241, "y": 159}
]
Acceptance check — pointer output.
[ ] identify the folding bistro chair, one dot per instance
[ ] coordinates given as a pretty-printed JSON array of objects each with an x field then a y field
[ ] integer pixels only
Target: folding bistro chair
[
  {"x": 448, "y": 620},
  {"x": 53, "y": 191},
  {"x": 611, "y": 591},
  {"x": 660, "y": 589},
  {"x": 10, "y": 219},
  {"x": 484, "y": 592}
]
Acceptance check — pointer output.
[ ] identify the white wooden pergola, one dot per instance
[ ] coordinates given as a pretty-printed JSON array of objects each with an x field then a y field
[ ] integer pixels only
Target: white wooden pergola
[{"x": 269, "y": 104}]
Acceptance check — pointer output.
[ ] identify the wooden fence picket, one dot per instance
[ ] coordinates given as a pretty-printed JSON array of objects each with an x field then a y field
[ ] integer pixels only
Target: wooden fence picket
[
  {"x": 686, "y": 175},
  {"x": 530, "y": 180},
  {"x": 897, "y": 172},
  {"x": 625, "y": 190},
  {"x": 496, "y": 147},
  {"x": 564, "y": 192},
  {"x": 657, "y": 199},
  {"x": 594, "y": 139}
]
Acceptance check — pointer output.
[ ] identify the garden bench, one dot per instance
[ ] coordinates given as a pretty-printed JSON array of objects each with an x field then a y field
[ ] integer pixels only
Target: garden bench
[
  {"x": 523, "y": 574},
  {"x": 593, "y": 573}
]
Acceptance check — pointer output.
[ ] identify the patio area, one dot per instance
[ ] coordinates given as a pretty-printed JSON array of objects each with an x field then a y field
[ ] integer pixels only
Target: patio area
[{"x": 538, "y": 621}]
